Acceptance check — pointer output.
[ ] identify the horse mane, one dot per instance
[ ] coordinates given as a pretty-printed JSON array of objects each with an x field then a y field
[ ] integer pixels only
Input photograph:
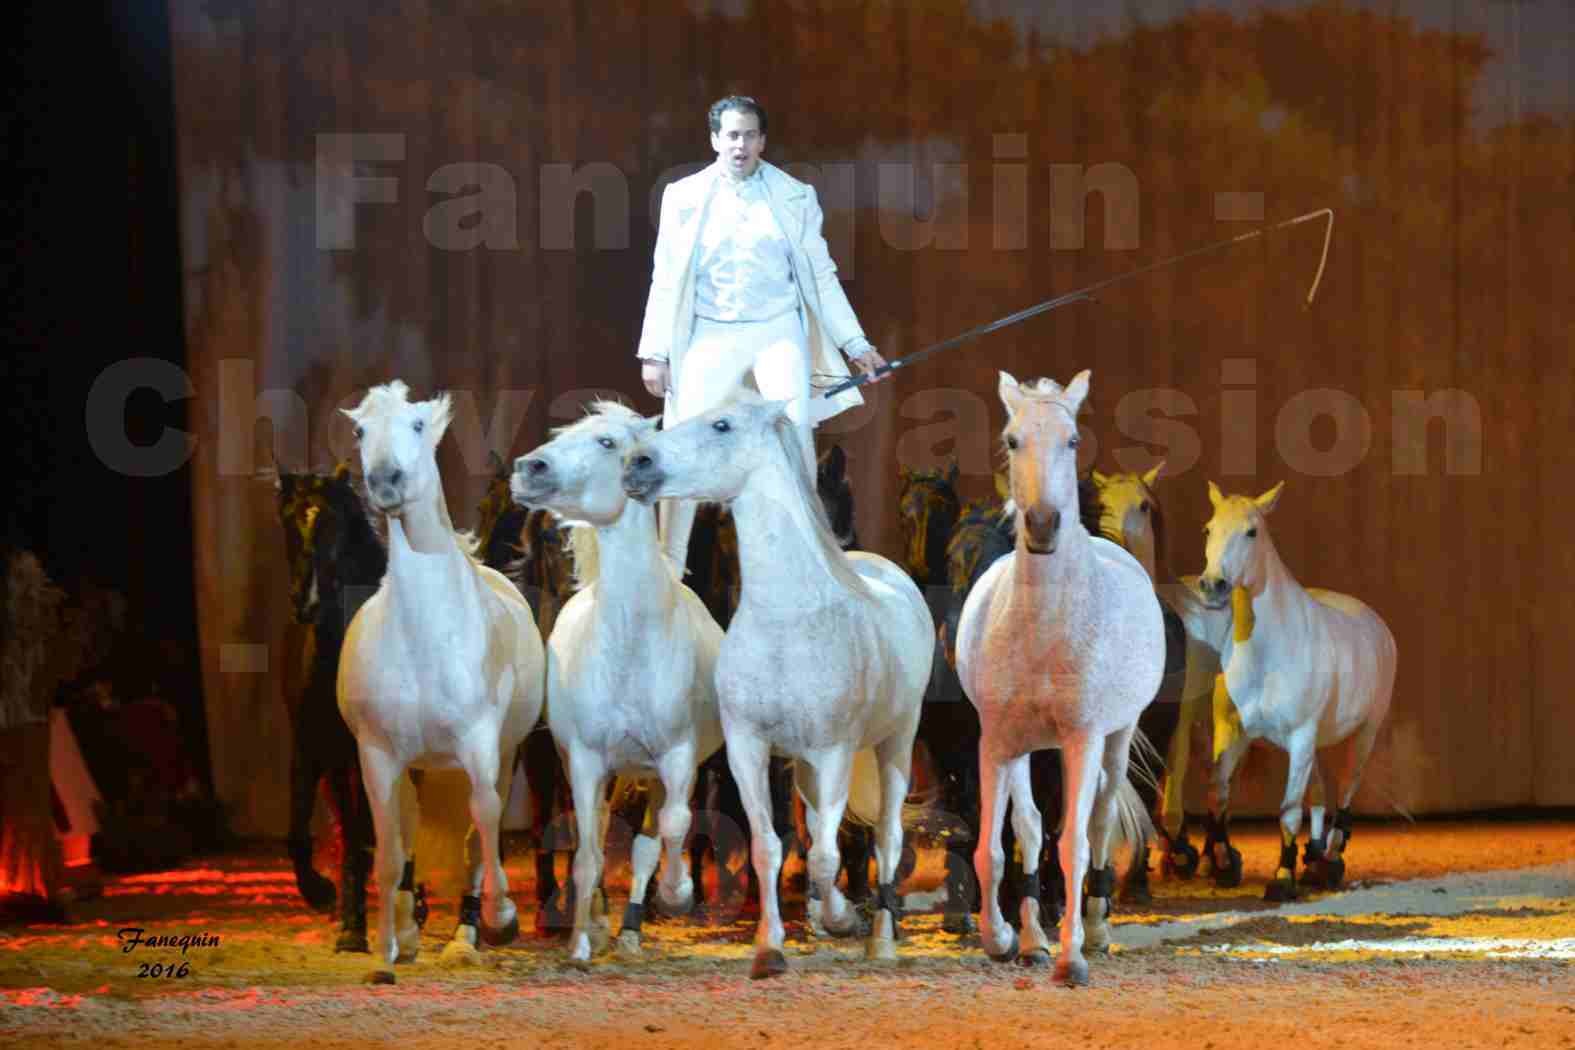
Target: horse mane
[{"x": 786, "y": 433}]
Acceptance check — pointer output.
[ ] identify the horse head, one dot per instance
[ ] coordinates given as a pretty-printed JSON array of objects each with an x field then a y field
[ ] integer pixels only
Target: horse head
[
  {"x": 1129, "y": 514},
  {"x": 1236, "y": 543},
  {"x": 1041, "y": 439},
  {"x": 398, "y": 439},
  {"x": 928, "y": 508}
]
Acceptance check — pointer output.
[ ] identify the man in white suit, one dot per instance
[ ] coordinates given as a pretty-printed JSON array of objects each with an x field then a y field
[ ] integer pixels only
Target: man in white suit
[{"x": 743, "y": 285}]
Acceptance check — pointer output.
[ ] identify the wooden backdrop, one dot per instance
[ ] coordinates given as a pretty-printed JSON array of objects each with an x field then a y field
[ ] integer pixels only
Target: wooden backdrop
[{"x": 468, "y": 265}]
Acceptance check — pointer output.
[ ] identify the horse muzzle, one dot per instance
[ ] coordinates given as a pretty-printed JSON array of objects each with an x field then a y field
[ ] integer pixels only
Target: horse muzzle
[
  {"x": 642, "y": 478},
  {"x": 1215, "y": 591},
  {"x": 1041, "y": 530},
  {"x": 385, "y": 489},
  {"x": 532, "y": 482}
]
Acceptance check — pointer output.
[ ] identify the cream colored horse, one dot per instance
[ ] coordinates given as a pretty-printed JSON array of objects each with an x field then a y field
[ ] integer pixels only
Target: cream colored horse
[
  {"x": 1061, "y": 644},
  {"x": 443, "y": 668},
  {"x": 1308, "y": 670}
]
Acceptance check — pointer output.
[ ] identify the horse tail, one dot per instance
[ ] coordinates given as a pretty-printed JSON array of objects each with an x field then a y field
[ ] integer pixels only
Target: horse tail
[
  {"x": 1134, "y": 827},
  {"x": 1145, "y": 763}
]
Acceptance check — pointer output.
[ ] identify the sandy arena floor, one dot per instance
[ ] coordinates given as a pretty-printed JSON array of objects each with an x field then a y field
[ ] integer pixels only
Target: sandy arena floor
[{"x": 1413, "y": 953}]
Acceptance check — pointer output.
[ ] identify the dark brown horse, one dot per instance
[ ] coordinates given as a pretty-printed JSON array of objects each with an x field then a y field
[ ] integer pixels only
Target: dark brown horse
[{"x": 336, "y": 562}]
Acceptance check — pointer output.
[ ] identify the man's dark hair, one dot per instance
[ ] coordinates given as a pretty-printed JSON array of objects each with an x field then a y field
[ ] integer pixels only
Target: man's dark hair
[{"x": 737, "y": 103}]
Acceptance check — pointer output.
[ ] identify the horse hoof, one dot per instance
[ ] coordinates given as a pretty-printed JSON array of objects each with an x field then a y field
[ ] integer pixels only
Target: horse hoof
[
  {"x": 959, "y": 924},
  {"x": 319, "y": 894},
  {"x": 1182, "y": 861},
  {"x": 1037, "y": 959},
  {"x": 380, "y": 977},
  {"x": 458, "y": 953},
  {"x": 1334, "y": 874},
  {"x": 502, "y": 936},
  {"x": 769, "y": 962},
  {"x": 1229, "y": 877},
  {"x": 1071, "y": 974},
  {"x": 882, "y": 943},
  {"x": 678, "y": 904},
  {"x": 1279, "y": 891},
  {"x": 352, "y": 941},
  {"x": 629, "y": 946},
  {"x": 1010, "y": 955}
]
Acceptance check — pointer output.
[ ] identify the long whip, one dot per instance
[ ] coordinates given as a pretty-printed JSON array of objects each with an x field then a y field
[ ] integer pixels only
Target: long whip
[{"x": 1087, "y": 295}]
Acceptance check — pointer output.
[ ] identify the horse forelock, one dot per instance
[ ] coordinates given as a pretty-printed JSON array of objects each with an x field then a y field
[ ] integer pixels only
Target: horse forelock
[{"x": 600, "y": 411}]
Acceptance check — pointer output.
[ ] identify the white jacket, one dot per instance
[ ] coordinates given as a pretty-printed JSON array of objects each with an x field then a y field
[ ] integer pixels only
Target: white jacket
[{"x": 670, "y": 308}]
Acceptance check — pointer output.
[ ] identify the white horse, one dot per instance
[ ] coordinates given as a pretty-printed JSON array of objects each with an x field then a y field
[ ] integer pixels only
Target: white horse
[
  {"x": 442, "y": 668},
  {"x": 828, "y": 653},
  {"x": 1308, "y": 670},
  {"x": 630, "y": 664},
  {"x": 1061, "y": 644}
]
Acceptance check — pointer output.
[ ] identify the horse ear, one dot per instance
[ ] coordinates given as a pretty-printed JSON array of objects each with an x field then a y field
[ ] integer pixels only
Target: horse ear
[
  {"x": 951, "y": 473},
  {"x": 1003, "y": 486},
  {"x": 439, "y": 411},
  {"x": 1153, "y": 475},
  {"x": 1101, "y": 480},
  {"x": 1077, "y": 390},
  {"x": 1216, "y": 497},
  {"x": 1011, "y": 393},
  {"x": 1267, "y": 501},
  {"x": 494, "y": 461},
  {"x": 835, "y": 462},
  {"x": 342, "y": 470}
]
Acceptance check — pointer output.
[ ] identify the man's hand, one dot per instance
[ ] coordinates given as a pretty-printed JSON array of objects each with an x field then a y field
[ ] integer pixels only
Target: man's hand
[
  {"x": 655, "y": 375},
  {"x": 868, "y": 362}
]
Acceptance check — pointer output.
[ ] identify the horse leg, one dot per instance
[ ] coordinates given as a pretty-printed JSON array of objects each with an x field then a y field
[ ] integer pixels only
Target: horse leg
[
  {"x": 305, "y": 772},
  {"x": 1359, "y": 749},
  {"x": 1033, "y": 947},
  {"x": 829, "y": 912},
  {"x": 989, "y": 856},
  {"x": 1082, "y": 758},
  {"x": 748, "y": 757},
  {"x": 676, "y": 889},
  {"x": 959, "y": 784},
  {"x": 644, "y": 853},
  {"x": 588, "y": 782},
  {"x": 1223, "y": 858},
  {"x": 1314, "y": 870},
  {"x": 381, "y": 774},
  {"x": 1302, "y": 755},
  {"x": 895, "y": 755},
  {"x": 355, "y": 842},
  {"x": 543, "y": 767}
]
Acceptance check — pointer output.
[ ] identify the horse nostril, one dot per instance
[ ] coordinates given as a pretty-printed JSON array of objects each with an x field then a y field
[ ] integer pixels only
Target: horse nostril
[
  {"x": 641, "y": 462},
  {"x": 1055, "y": 520},
  {"x": 537, "y": 467},
  {"x": 396, "y": 476}
]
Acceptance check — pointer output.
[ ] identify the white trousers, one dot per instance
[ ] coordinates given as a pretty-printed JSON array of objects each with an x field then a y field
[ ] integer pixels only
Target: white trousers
[{"x": 721, "y": 356}]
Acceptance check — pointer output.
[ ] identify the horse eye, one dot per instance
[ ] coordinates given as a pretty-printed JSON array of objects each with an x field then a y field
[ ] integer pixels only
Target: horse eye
[
  {"x": 721, "y": 426},
  {"x": 1143, "y": 506},
  {"x": 606, "y": 442},
  {"x": 1011, "y": 442},
  {"x": 1074, "y": 441},
  {"x": 1252, "y": 532},
  {"x": 360, "y": 432},
  {"x": 418, "y": 426}
]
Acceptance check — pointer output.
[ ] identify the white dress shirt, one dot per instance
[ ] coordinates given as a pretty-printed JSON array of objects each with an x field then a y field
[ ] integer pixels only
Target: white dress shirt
[{"x": 743, "y": 271}]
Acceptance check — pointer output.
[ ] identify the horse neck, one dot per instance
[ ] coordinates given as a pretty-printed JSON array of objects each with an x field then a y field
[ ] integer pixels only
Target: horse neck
[
  {"x": 1045, "y": 586},
  {"x": 632, "y": 576},
  {"x": 779, "y": 557},
  {"x": 1278, "y": 595},
  {"x": 424, "y": 555}
]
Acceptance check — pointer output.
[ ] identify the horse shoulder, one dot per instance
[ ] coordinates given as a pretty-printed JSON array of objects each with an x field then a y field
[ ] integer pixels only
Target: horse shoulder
[{"x": 976, "y": 617}]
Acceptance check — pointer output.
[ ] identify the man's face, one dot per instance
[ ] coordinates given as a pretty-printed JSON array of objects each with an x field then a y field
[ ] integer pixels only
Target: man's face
[{"x": 739, "y": 143}]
